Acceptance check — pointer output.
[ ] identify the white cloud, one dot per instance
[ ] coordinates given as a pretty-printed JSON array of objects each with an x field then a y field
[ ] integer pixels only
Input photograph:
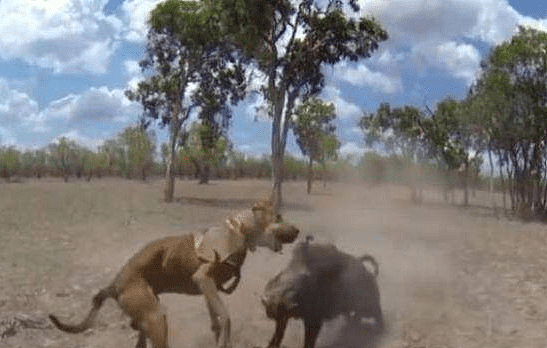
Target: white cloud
[
  {"x": 361, "y": 75},
  {"x": 351, "y": 149},
  {"x": 411, "y": 21},
  {"x": 256, "y": 108},
  {"x": 6, "y": 137},
  {"x": 94, "y": 106},
  {"x": 344, "y": 109},
  {"x": 63, "y": 35},
  {"x": 136, "y": 15},
  {"x": 496, "y": 21},
  {"x": 460, "y": 60},
  {"x": 427, "y": 34},
  {"x": 17, "y": 109},
  {"x": 132, "y": 67}
]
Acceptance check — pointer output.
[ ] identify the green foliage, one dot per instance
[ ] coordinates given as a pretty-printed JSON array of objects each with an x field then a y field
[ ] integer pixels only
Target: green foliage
[
  {"x": 452, "y": 133},
  {"x": 63, "y": 155},
  {"x": 204, "y": 149},
  {"x": 314, "y": 131},
  {"x": 400, "y": 130},
  {"x": 294, "y": 168},
  {"x": 10, "y": 162},
  {"x": 138, "y": 149},
  {"x": 186, "y": 48},
  {"x": 509, "y": 102},
  {"x": 289, "y": 42}
]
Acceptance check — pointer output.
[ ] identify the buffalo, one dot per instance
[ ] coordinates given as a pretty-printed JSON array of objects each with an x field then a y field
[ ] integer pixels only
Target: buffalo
[{"x": 321, "y": 283}]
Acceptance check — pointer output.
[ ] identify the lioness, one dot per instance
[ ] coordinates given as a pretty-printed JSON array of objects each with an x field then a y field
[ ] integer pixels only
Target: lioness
[{"x": 192, "y": 265}]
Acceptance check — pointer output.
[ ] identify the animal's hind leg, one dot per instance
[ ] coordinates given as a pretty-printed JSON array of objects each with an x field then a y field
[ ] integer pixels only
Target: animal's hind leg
[
  {"x": 154, "y": 326},
  {"x": 142, "y": 305},
  {"x": 215, "y": 325},
  {"x": 141, "y": 342},
  {"x": 280, "y": 326},
  {"x": 311, "y": 328}
]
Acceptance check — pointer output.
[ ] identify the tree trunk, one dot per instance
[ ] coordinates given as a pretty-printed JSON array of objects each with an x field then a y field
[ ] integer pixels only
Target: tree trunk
[
  {"x": 203, "y": 171},
  {"x": 310, "y": 175},
  {"x": 172, "y": 157},
  {"x": 491, "y": 183},
  {"x": 466, "y": 183},
  {"x": 277, "y": 152},
  {"x": 277, "y": 172}
]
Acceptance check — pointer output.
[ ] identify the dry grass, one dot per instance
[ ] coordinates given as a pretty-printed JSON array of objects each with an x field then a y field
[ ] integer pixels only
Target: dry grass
[{"x": 449, "y": 277}]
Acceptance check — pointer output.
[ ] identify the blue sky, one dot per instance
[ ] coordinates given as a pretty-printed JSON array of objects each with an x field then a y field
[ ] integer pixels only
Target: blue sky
[{"x": 64, "y": 66}]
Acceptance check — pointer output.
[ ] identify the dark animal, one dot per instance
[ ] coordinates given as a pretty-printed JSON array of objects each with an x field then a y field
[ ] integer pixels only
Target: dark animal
[
  {"x": 190, "y": 265},
  {"x": 320, "y": 283}
]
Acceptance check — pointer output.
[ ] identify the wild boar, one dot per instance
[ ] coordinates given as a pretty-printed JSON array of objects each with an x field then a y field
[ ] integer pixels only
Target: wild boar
[{"x": 321, "y": 283}]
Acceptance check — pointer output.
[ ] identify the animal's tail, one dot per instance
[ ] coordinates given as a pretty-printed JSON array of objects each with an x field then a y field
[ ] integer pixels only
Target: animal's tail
[
  {"x": 371, "y": 259},
  {"x": 86, "y": 323}
]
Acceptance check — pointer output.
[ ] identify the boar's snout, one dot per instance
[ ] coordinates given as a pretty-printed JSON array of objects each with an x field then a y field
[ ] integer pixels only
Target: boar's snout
[{"x": 280, "y": 296}]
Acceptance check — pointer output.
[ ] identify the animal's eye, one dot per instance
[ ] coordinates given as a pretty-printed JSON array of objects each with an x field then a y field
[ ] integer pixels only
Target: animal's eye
[{"x": 278, "y": 218}]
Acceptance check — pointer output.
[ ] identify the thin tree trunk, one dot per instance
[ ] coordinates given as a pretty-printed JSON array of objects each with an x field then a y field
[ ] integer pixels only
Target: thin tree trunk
[
  {"x": 277, "y": 150},
  {"x": 203, "y": 171},
  {"x": 310, "y": 174},
  {"x": 466, "y": 183},
  {"x": 491, "y": 183},
  {"x": 172, "y": 157}
]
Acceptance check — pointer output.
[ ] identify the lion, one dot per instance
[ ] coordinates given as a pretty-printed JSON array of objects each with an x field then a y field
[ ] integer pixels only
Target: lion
[{"x": 189, "y": 264}]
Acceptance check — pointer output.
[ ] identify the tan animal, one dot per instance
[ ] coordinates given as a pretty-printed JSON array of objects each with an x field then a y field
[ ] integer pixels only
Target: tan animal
[{"x": 192, "y": 265}]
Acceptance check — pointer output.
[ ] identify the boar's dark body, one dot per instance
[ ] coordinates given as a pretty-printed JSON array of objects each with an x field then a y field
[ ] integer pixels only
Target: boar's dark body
[{"x": 321, "y": 283}]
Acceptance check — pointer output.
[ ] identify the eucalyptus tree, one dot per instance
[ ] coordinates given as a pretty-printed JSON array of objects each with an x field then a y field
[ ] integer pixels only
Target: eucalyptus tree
[
  {"x": 289, "y": 42},
  {"x": 204, "y": 148},
  {"x": 139, "y": 146},
  {"x": 513, "y": 82},
  {"x": 455, "y": 139},
  {"x": 40, "y": 162},
  {"x": 400, "y": 130},
  {"x": 315, "y": 133},
  {"x": 63, "y": 155},
  {"x": 186, "y": 64},
  {"x": 10, "y": 162}
]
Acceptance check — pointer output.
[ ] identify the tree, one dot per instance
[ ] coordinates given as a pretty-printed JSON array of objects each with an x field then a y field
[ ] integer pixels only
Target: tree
[
  {"x": 10, "y": 162},
  {"x": 205, "y": 148},
  {"x": 402, "y": 131},
  {"x": 63, "y": 155},
  {"x": 455, "y": 139},
  {"x": 27, "y": 163},
  {"x": 512, "y": 86},
  {"x": 289, "y": 42},
  {"x": 187, "y": 66},
  {"x": 314, "y": 131},
  {"x": 138, "y": 146},
  {"x": 40, "y": 158}
]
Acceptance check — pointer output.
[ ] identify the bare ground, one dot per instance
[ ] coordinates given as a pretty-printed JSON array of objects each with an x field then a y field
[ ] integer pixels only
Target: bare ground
[{"x": 449, "y": 277}]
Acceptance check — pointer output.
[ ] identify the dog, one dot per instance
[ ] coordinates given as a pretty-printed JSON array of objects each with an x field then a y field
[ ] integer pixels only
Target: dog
[{"x": 189, "y": 264}]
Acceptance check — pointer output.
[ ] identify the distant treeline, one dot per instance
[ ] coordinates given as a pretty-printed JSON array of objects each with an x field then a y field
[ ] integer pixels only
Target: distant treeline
[{"x": 118, "y": 158}]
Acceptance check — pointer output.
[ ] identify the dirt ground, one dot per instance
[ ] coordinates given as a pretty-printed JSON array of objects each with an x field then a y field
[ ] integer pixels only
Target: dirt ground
[{"x": 449, "y": 277}]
